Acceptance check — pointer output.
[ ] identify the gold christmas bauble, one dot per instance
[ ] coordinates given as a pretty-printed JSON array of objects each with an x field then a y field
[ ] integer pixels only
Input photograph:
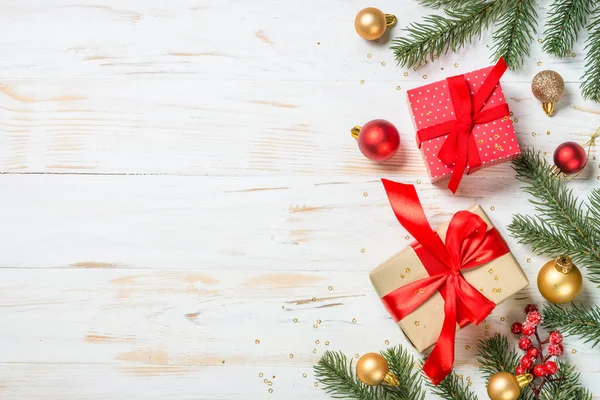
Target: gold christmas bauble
[
  {"x": 505, "y": 386},
  {"x": 371, "y": 23},
  {"x": 548, "y": 87},
  {"x": 372, "y": 369},
  {"x": 560, "y": 281}
]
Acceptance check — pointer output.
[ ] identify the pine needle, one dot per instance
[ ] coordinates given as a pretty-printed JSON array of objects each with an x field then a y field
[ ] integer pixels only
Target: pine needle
[
  {"x": 566, "y": 18},
  {"x": 453, "y": 387},
  {"x": 590, "y": 87},
  {"x": 578, "y": 320},
  {"x": 565, "y": 385},
  {"x": 445, "y": 3},
  {"x": 516, "y": 28},
  {"x": 439, "y": 34}
]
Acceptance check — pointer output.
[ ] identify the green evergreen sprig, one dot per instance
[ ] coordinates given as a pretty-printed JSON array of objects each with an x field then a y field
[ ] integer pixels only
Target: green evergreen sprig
[
  {"x": 566, "y": 19},
  {"x": 577, "y": 320},
  {"x": 514, "y": 34},
  {"x": 453, "y": 387},
  {"x": 590, "y": 87},
  {"x": 565, "y": 385},
  {"x": 337, "y": 377},
  {"x": 564, "y": 224},
  {"x": 438, "y": 34},
  {"x": 445, "y": 3}
]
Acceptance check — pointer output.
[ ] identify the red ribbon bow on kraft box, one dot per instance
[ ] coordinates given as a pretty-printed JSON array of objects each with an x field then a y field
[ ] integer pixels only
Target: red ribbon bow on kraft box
[
  {"x": 441, "y": 268},
  {"x": 471, "y": 113}
]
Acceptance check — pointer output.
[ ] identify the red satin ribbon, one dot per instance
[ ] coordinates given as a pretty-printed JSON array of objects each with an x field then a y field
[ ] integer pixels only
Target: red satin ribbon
[
  {"x": 460, "y": 147},
  {"x": 469, "y": 244}
]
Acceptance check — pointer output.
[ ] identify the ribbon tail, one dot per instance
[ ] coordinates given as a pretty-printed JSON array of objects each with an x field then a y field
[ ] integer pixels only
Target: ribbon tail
[
  {"x": 461, "y": 162},
  {"x": 441, "y": 360}
]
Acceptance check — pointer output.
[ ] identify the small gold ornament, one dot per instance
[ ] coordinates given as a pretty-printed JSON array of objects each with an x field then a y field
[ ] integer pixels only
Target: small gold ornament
[
  {"x": 560, "y": 281},
  {"x": 505, "y": 386},
  {"x": 548, "y": 87},
  {"x": 371, "y": 23},
  {"x": 372, "y": 369}
]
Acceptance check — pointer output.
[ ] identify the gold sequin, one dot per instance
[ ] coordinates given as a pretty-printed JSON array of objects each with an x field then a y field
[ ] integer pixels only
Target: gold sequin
[
  {"x": 356, "y": 355},
  {"x": 315, "y": 326},
  {"x": 502, "y": 319},
  {"x": 529, "y": 260},
  {"x": 428, "y": 113},
  {"x": 270, "y": 390},
  {"x": 304, "y": 375},
  {"x": 540, "y": 40},
  {"x": 496, "y": 136},
  {"x": 383, "y": 63},
  {"x": 330, "y": 288},
  {"x": 257, "y": 341},
  {"x": 222, "y": 361},
  {"x": 398, "y": 88},
  {"x": 369, "y": 55},
  {"x": 496, "y": 277},
  {"x": 506, "y": 118},
  {"x": 418, "y": 181},
  {"x": 574, "y": 351},
  {"x": 314, "y": 351},
  {"x": 295, "y": 320},
  {"x": 365, "y": 194},
  {"x": 353, "y": 320},
  {"x": 327, "y": 343},
  {"x": 516, "y": 120},
  {"x": 406, "y": 237},
  {"x": 313, "y": 299},
  {"x": 316, "y": 384},
  {"x": 480, "y": 141},
  {"x": 407, "y": 270},
  {"x": 573, "y": 55},
  {"x": 492, "y": 208},
  {"x": 318, "y": 43},
  {"x": 486, "y": 333},
  {"x": 291, "y": 355},
  {"x": 362, "y": 81},
  {"x": 318, "y": 321},
  {"x": 270, "y": 383},
  {"x": 406, "y": 74},
  {"x": 362, "y": 250},
  {"x": 547, "y": 132},
  {"x": 497, "y": 290},
  {"x": 416, "y": 323},
  {"x": 260, "y": 374},
  {"x": 386, "y": 342},
  {"x": 402, "y": 276},
  {"x": 539, "y": 63},
  {"x": 317, "y": 341},
  {"x": 487, "y": 326},
  {"x": 467, "y": 347},
  {"x": 491, "y": 270},
  {"x": 533, "y": 134},
  {"x": 455, "y": 65},
  {"x": 424, "y": 76}
]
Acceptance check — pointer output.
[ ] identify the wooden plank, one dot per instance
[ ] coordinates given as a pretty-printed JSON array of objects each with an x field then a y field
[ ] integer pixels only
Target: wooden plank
[{"x": 191, "y": 127}]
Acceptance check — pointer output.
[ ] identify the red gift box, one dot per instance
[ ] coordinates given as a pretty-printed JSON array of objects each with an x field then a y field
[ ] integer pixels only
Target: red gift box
[{"x": 434, "y": 106}]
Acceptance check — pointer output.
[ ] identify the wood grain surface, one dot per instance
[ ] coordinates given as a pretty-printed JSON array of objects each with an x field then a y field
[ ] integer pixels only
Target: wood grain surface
[{"x": 184, "y": 214}]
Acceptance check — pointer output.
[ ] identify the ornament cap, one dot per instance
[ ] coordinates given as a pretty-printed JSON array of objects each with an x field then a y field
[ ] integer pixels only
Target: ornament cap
[
  {"x": 548, "y": 108},
  {"x": 564, "y": 264},
  {"x": 391, "y": 379},
  {"x": 355, "y": 131},
  {"x": 524, "y": 380},
  {"x": 390, "y": 19}
]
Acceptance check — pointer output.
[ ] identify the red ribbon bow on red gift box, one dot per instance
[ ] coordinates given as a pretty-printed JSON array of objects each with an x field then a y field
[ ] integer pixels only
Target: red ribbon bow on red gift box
[
  {"x": 460, "y": 148},
  {"x": 469, "y": 244}
]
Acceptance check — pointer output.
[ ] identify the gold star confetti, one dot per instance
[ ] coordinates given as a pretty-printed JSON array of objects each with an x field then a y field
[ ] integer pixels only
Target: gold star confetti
[
  {"x": 304, "y": 375},
  {"x": 492, "y": 208},
  {"x": 574, "y": 351},
  {"x": 496, "y": 277},
  {"x": 315, "y": 326},
  {"x": 529, "y": 260},
  {"x": 418, "y": 181},
  {"x": 506, "y": 118},
  {"x": 406, "y": 237},
  {"x": 502, "y": 319},
  {"x": 547, "y": 132},
  {"x": 533, "y": 134},
  {"x": 369, "y": 55},
  {"x": 222, "y": 361},
  {"x": 539, "y": 63},
  {"x": 270, "y": 390},
  {"x": 402, "y": 276},
  {"x": 260, "y": 374},
  {"x": 270, "y": 383},
  {"x": 415, "y": 68},
  {"x": 386, "y": 342},
  {"x": 318, "y": 43},
  {"x": 383, "y": 63},
  {"x": 273, "y": 376},
  {"x": 353, "y": 320},
  {"x": 491, "y": 270},
  {"x": 442, "y": 68},
  {"x": 516, "y": 120},
  {"x": 406, "y": 74},
  {"x": 407, "y": 270},
  {"x": 313, "y": 299},
  {"x": 486, "y": 333},
  {"x": 398, "y": 88},
  {"x": 424, "y": 76},
  {"x": 362, "y": 250},
  {"x": 365, "y": 194},
  {"x": 362, "y": 81},
  {"x": 540, "y": 40},
  {"x": 512, "y": 113},
  {"x": 497, "y": 290},
  {"x": 314, "y": 351},
  {"x": 467, "y": 347},
  {"x": 487, "y": 326},
  {"x": 327, "y": 343},
  {"x": 316, "y": 384},
  {"x": 317, "y": 341},
  {"x": 318, "y": 321},
  {"x": 455, "y": 65},
  {"x": 416, "y": 323},
  {"x": 573, "y": 55},
  {"x": 257, "y": 341},
  {"x": 295, "y": 320},
  {"x": 330, "y": 288},
  {"x": 291, "y": 355}
]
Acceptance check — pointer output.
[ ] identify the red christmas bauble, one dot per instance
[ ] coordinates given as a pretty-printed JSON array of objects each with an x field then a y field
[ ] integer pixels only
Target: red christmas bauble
[
  {"x": 378, "y": 140},
  {"x": 570, "y": 157}
]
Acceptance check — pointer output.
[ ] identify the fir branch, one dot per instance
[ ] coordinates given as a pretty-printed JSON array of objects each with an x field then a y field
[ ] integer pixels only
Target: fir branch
[
  {"x": 336, "y": 375},
  {"x": 402, "y": 365},
  {"x": 544, "y": 238},
  {"x": 565, "y": 385},
  {"x": 559, "y": 208},
  {"x": 578, "y": 320},
  {"x": 516, "y": 26},
  {"x": 590, "y": 87},
  {"x": 566, "y": 18},
  {"x": 445, "y": 3},
  {"x": 496, "y": 355},
  {"x": 438, "y": 34},
  {"x": 453, "y": 387}
]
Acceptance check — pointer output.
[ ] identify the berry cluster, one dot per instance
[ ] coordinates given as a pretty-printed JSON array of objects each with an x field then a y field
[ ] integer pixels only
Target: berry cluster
[{"x": 534, "y": 361}]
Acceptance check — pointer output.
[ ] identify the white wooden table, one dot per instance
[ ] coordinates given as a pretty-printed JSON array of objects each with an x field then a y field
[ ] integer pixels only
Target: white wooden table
[{"x": 184, "y": 214}]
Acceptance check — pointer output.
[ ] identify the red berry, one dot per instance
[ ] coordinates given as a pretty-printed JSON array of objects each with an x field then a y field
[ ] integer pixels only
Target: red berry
[
  {"x": 526, "y": 362},
  {"x": 550, "y": 367},
  {"x": 556, "y": 337},
  {"x": 539, "y": 370},
  {"x": 534, "y": 318},
  {"x": 556, "y": 349},
  {"x": 533, "y": 353},
  {"x": 530, "y": 307},
  {"x": 519, "y": 370},
  {"x": 527, "y": 328},
  {"x": 525, "y": 343},
  {"x": 516, "y": 328}
]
